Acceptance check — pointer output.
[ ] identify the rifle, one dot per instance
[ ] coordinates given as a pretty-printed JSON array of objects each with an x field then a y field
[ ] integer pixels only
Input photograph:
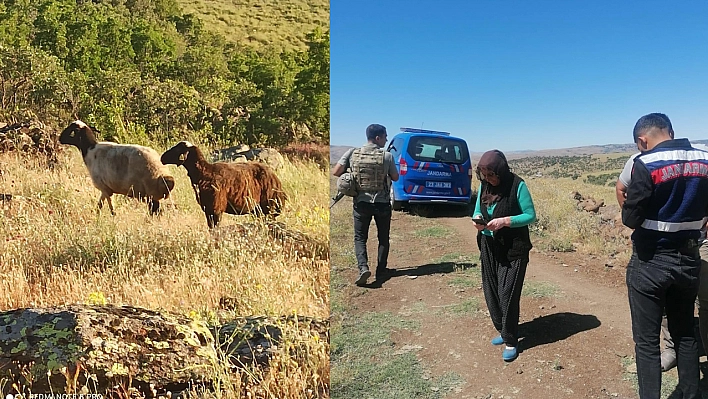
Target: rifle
[{"x": 336, "y": 199}]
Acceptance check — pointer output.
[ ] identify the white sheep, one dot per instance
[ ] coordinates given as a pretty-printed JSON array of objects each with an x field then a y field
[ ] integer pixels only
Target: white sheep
[{"x": 128, "y": 169}]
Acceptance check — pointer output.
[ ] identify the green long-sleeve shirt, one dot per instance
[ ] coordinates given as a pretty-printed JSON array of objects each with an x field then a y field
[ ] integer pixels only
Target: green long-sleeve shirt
[{"x": 528, "y": 212}]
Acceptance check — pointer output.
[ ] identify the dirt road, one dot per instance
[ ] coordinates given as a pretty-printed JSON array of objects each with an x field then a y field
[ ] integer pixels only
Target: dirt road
[{"x": 575, "y": 325}]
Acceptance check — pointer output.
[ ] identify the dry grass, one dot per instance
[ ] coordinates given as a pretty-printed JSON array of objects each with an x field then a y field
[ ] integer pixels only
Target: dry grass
[
  {"x": 562, "y": 227},
  {"x": 56, "y": 248},
  {"x": 318, "y": 153}
]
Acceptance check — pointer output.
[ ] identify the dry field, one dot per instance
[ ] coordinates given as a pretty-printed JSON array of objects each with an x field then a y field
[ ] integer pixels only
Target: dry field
[
  {"x": 262, "y": 23},
  {"x": 56, "y": 248}
]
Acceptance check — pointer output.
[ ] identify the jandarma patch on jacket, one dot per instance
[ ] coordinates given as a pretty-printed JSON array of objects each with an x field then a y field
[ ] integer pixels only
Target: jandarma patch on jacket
[{"x": 687, "y": 169}]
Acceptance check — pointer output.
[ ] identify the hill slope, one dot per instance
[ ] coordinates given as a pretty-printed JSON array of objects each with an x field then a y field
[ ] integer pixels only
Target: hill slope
[
  {"x": 280, "y": 23},
  {"x": 336, "y": 151}
]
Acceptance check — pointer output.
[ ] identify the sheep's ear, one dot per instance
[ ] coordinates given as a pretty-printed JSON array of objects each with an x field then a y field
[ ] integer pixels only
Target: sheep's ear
[{"x": 183, "y": 156}]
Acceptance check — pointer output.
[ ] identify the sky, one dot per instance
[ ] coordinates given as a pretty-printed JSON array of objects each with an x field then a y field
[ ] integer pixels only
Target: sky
[{"x": 517, "y": 75}]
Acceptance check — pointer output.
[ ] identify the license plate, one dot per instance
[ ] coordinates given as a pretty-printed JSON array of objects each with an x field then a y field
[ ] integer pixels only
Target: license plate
[{"x": 438, "y": 184}]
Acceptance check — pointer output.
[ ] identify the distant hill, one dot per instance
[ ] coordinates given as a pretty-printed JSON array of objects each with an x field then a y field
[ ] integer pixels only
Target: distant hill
[
  {"x": 336, "y": 151},
  {"x": 258, "y": 23},
  {"x": 572, "y": 151}
]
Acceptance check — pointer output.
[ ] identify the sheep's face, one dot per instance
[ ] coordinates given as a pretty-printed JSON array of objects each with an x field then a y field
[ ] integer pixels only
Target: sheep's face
[
  {"x": 74, "y": 134},
  {"x": 178, "y": 154}
]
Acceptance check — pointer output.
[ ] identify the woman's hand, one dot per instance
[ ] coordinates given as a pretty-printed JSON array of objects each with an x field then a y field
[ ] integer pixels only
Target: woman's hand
[
  {"x": 478, "y": 226},
  {"x": 497, "y": 223}
]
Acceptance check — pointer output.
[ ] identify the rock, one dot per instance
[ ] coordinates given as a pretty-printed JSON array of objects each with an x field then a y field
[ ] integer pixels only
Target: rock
[
  {"x": 239, "y": 159},
  {"x": 30, "y": 137},
  {"x": 57, "y": 348},
  {"x": 611, "y": 214},
  {"x": 242, "y": 153},
  {"x": 270, "y": 156},
  {"x": 246, "y": 340},
  {"x": 65, "y": 349},
  {"x": 241, "y": 147},
  {"x": 588, "y": 204}
]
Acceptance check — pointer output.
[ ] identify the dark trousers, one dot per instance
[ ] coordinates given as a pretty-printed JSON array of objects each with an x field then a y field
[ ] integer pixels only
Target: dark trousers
[
  {"x": 363, "y": 213},
  {"x": 658, "y": 279},
  {"x": 502, "y": 282}
]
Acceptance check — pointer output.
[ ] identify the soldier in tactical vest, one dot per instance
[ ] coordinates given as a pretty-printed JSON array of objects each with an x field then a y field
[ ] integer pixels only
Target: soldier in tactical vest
[{"x": 372, "y": 169}]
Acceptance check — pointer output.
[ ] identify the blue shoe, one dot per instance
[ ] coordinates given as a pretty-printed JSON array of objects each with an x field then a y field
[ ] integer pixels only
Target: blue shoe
[
  {"x": 509, "y": 354},
  {"x": 498, "y": 340}
]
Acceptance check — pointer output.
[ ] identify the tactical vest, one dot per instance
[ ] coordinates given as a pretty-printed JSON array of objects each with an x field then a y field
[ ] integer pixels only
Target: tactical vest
[{"x": 367, "y": 166}]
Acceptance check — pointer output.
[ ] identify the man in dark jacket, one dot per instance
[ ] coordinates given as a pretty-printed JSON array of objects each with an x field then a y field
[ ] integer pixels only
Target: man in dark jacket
[{"x": 667, "y": 207}]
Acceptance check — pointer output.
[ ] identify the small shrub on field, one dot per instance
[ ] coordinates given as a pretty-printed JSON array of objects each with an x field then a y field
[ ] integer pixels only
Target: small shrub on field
[
  {"x": 559, "y": 245},
  {"x": 466, "y": 307},
  {"x": 433, "y": 232},
  {"x": 539, "y": 289},
  {"x": 464, "y": 282},
  {"x": 605, "y": 179},
  {"x": 459, "y": 258}
]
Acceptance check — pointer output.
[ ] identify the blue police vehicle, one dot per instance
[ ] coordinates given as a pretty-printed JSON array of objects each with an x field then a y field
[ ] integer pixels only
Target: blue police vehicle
[{"x": 434, "y": 167}]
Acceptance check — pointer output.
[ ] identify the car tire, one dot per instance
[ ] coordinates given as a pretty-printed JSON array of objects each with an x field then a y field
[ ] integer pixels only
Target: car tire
[{"x": 395, "y": 205}]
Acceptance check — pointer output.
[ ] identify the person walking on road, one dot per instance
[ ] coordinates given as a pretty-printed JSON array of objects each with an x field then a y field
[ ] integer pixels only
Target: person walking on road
[
  {"x": 667, "y": 208},
  {"x": 503, "y": 211},
  {"x": 373, "y": 170}
]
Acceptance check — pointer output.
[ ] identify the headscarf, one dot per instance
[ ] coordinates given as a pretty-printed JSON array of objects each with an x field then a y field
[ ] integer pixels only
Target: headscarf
[{"x": 495, "y": 161}]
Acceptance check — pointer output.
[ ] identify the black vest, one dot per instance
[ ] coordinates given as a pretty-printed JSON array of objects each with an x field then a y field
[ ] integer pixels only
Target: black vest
[{"x": 509, "y": 244}]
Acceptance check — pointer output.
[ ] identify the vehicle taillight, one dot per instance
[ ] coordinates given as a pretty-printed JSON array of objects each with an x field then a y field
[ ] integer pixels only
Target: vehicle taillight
[
  {"x": 404, "y": 166},
  {"x": 469, "y": 172}
]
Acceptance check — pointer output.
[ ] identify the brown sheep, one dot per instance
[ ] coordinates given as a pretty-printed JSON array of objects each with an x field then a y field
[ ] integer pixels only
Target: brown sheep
[
  {"x": 235, "y": 188},
  {"x": 128, "y": 169}
]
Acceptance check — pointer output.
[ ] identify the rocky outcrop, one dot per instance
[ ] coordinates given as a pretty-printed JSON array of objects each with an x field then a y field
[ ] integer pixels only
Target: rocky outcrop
[
  {"x": 70, "y": 348},
  {"x": 243, "y": 153},
  {"x": 610, "y": 226},
  {"x": 29, "y": 137},
  {"x": 101, "y": 346},
  {"x": 588, "y": 204}
]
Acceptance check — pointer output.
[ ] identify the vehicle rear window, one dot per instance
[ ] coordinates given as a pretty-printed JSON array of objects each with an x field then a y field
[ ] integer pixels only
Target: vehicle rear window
[{"x": 438, "y": 149}]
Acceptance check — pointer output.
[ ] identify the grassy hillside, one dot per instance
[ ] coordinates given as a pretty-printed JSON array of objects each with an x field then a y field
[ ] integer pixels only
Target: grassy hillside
[{"x": 281, "y": 23}]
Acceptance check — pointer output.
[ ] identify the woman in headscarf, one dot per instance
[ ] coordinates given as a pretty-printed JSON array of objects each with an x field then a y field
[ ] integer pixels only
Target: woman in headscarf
[{"x": 504, "y": 204}]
